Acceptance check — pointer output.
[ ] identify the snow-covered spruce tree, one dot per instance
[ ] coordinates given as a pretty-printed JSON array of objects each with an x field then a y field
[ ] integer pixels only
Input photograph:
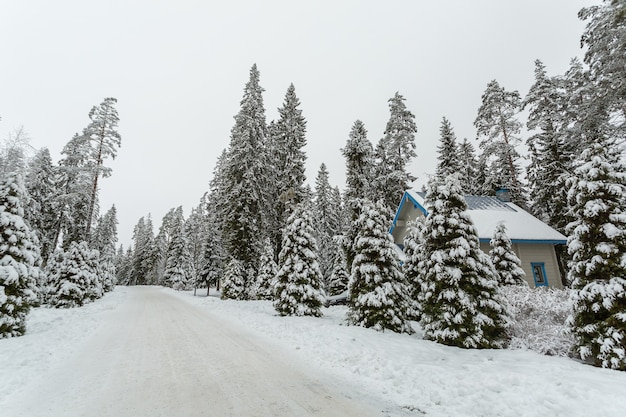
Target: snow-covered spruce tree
[
  {"x": 505, "y": 260},
  {"x": 19, "y": 258},
  {"x": 178, "y": 262},
  {"x": 414, "y": 267},
  {"x": 267, "y": 273},
  {"x": 359, "y": 178},
  {"x": 104, "y": 239},
  {"x": 212, "y": 267},
  {"x": 143, "y": 253},
  {"x": 463, "y": 306},
  {"x": 243, "y": 203},
  {"x": 597, "y": 244},
  {"x": 339, "y": 277},
  {"x": 74, "y": 283},
  {"x": 298, "y": 285},
  {"x": 377, "y": 291},
  {"x": 234, "y": 281},
  {"x": 195, "y": 235},
  {"x": 448, "y": 150}
]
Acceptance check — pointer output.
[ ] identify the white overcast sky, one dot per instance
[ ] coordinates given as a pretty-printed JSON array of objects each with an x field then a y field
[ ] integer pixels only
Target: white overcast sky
[{"x": 178, "y": 69}]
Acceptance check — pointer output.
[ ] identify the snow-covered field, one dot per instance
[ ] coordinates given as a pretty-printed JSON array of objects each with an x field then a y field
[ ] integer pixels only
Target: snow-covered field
[{"x": 419, "y": 377}]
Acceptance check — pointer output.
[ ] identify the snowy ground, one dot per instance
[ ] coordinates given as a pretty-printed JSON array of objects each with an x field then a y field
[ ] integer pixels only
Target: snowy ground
[{"x": 401, "y": 375}]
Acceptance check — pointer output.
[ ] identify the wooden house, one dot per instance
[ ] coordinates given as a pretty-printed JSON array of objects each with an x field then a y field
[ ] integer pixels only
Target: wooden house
[{"x": 533, "y": 241}]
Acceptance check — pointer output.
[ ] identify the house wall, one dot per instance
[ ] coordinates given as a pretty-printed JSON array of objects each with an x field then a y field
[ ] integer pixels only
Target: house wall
[{"x": 537, "y": 253}]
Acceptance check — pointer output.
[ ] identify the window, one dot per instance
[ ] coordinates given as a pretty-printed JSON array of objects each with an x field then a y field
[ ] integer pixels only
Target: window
[{"x": 539, "y": 274}]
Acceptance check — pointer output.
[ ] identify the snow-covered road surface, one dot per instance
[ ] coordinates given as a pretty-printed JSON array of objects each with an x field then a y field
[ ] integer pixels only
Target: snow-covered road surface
[{"x": 157, "y": 355}]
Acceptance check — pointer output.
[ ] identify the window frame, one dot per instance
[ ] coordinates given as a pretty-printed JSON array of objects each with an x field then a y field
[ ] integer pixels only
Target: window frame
[{"x": 541, "y": 265}]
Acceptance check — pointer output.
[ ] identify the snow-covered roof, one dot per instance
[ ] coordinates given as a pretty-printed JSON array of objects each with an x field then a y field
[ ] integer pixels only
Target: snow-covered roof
[{"x": 486, "y": 212}]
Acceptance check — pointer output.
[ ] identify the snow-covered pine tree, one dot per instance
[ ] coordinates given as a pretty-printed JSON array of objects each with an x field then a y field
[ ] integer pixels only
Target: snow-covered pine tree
[
  {"x": 103, "y": 140},
  {"x": 498, "y": 126},
  {"x": 468, "y": 173},
  {"x": 505, "y": 260},
  {"x": 234, "y": 281},
  {"x": 549, "y": 166},
  {"x": 448, "y": 150},
  {"x": 143, "y": 253},
  {"x": 414, "y": 266},
  {"x": 195, "y": 235},
  {"x": 124, "y": 265},
  {"x": 395, "y": 151},
  {"x": 327, "y": 222},
  {"x": 605, "y": 39},
  {"x": 14, "y": 153},
  {"x": 377, "y": 291},
  {"x": 359, "y": 178},
  {"x": 42, "y": 214},
  {"x": 19, "y": 260},
  {"x": 104, "y": 239},
  {"x": 212, "y": 267},
  {"x": 339, "y": 277},
  {"x": 74, "y": 187},
  {"x": 267, "y": 273},
  {"x": 597, "y": 244},
  {"x": 463, "y": 306},
  {"x": 298, "y": 286},
  {"x": 72, "y": 277}
]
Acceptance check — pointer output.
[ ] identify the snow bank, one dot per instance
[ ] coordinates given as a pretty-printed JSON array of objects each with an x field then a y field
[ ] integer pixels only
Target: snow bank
[
  {"x": 51, "y": 336},
  {"x": 423, "y": 377}
]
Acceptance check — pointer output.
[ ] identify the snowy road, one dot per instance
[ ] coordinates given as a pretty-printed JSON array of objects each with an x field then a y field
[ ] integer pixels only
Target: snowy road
[{"x": 160, "y": 356}]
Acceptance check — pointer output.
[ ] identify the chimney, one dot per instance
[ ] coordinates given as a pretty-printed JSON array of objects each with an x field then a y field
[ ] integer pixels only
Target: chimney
[{"x": 504, "y": 195}]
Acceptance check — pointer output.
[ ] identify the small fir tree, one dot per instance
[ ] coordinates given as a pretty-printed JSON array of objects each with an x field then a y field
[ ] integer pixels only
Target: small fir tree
[
  {"x": 505, "y": 260},
  {"x": 449, "y": 162},
  {"x": 597, "y": 244},
  {"x": 234, "y": 281},
  {"x": 414, "y": 266},
  {"x": 339, "y": 277},
  {"x": 267, "y": 272},
  {"x": 377, "y": 292},
  {"x": 19, "y": 258},
  {"x": 178, "y": 262},
  {"x": 298, "y": 286},
  {"x": 463, "y": 306}
]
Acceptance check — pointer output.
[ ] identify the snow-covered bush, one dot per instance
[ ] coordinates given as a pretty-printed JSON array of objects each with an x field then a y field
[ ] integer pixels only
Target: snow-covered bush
[{"x": 539, "y": 316}]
